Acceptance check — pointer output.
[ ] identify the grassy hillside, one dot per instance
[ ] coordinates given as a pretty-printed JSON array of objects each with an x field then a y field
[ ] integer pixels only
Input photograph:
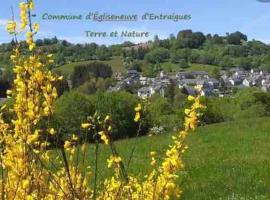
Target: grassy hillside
[
  {"x": 171, "y": 67},
  {"x": 117, "y": 66},
  {"x": 115, "y": 62},
  {"x": 224, "y": 161}
]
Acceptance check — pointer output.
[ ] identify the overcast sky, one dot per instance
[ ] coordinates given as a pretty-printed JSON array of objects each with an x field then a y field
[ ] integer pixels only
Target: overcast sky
[{"x": 209, "y": 16}]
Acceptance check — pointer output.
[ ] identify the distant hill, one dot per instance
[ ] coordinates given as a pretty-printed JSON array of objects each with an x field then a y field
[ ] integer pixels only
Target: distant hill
[{"x": 187, "y": 51}]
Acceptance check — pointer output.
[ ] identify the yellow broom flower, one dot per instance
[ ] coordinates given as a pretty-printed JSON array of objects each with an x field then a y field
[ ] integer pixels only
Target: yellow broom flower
[
  {"x": 31, "y": 5},
  {"x": 85, "y": 125},
  {"x": 23, "y": 15},
  {"x": 11, "y": 27},
  {"x": 36, "y": 27},
  {"x": 138, "y": 110},
  {"x": 137, "y": 117}
]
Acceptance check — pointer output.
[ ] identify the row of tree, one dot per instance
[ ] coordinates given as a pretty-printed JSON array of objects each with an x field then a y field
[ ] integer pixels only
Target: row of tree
[{"x": 86, "y": 72}]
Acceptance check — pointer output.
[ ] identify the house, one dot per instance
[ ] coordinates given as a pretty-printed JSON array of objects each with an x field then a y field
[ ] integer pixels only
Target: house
[
  {"x": 206, "y": 92},
  {"x": 235, "y": 71},
  {"x": 201, "y": 84},
  {"x": 184, "y": 75},
  {"x": 133, "y": 73},
  {"x": 158, "y": 88},
  {"x": 190, "y": 91},
  {"x": 145, "y": 92},
  {"x": 166, "y": 82},
  {"x": 118, "y": 76},
  {"x": 266, "y": 84},
  {"x": 265, "y": 81},
  {"x": 213, "y": 83},
  {"x": 223, "y": 73},
  {"x": 225, "y": 83},
  {"x": 239, "y": 74},
  {"x": 131, "y": 80},
  {"x": 121, "y": 85},
  {"x": 186, "y": 82},
  {"x": 253, "y": 81},
  {"x": 133, "y": 77},
  {"x": 235, "y": 81},
  {"x": 162, "y": 74},
  {"x": 200, "y": 75},
  {"x": 143, "y": 80},
  {"x": 266, "y": 88},
  {"x": 256, "y": 71}
]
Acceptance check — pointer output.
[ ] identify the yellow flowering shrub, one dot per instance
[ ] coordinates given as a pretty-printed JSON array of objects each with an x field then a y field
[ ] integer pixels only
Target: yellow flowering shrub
[{"x": 26, "y": 154}]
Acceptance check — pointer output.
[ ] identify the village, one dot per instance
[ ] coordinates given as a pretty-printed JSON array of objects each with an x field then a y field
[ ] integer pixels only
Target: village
[{"x": 188, "y": 81}]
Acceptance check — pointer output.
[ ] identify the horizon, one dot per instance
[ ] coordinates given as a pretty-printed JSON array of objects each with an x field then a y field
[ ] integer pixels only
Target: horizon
[{"x": 119, "y": 43}]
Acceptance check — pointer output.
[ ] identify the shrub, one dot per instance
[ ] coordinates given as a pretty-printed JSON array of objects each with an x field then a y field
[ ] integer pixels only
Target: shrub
[
  {"x": 120, "y": 106},
  {"x": 157, "y": 55},
  {"x": 162, "y": 113},
  {"x": 71, "y": 110},
  {"x": 246, "y": 103}
]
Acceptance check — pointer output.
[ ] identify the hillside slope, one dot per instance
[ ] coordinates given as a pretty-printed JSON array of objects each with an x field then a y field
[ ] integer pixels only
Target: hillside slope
[
  {"x": 116, "y": 63},
  {"x": 224, "y": 161},
  {"x": 229, "y": 161}
]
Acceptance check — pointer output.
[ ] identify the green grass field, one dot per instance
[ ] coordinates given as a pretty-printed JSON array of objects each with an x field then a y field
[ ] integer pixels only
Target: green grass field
[
  {"x": 117, "y": 66},
  {"x": 200, "y": 67},
  {"x": 171, "y": 67},
  {"x": 224, "y": 161},
  {"x": 115, "y": 62}
]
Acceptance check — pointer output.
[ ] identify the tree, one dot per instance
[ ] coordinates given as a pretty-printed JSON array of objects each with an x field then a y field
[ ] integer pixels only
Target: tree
[
  {"x": 170, "y": 91},
  {"x": 39, "y": 42},
  {"x": 83, "y": 73},
  {"x": 65, "y": 43},
  {"x": 157, "y": 55},
  {"x": 71, "y": 110},
  {"x": 54, "y": 40},
  {"x": 216, "y": 73},
  {"x": 95, "y": 84},
  {"x": 183, "y": 64},
  {"x": 6, "y": 78},
  {"x": 46, "y": 41},
  {"x": 188, "y": 39},
  {"x": 178, "y": 55},
  {"x": 244, "y": 63},
  {"x": 136, "y": 65},
  {"x": 217, "y": 39},
  {"x": 103, "y": 53},
  {"x": 198, "y": 39},
  {"x": 236, "y": 51},
  {"x": 4, "y": 86},
  {"x": 226, "y": 62},
  {"x": 60, "y": 59},
  {"x": 141, "y": 53},
  {"x": 120, "y": 106},
  {"x": 156, "y": 42},
  {"x": 61, "y": 86},
  {"x": 236, "y": 38}
]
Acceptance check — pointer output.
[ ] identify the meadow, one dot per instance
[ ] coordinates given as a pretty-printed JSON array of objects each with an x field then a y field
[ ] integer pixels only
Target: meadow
[
  {"x": 115, "y": 62},
  {"x": 224, "y": 161}
]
